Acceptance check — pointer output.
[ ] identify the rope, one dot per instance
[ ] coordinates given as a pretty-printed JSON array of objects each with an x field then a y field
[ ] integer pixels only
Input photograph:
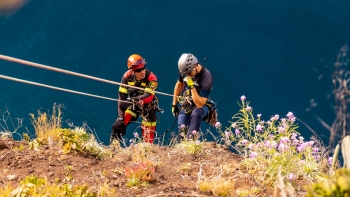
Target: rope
[
  {"x": 56, "y": 88},
  {"x": 28, "y": 63}
]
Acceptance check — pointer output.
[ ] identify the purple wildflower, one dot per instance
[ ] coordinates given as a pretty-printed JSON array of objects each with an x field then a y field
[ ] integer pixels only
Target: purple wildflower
[
  {"x": 233, "y": 125},
  {"x": 253, "y": 154},
  {"x": 244, "y": 142},
  {"x": 217, "y": 125},
  {"x": 248, "y": 108},
  {"x": 227, "y": 134},
  {"x": 283, "y": 147},
  {"x": 259, "y": 128},
  {"x": 273, "y": 144},
  {"x": 295, "y": 142},
  {"x": 194, "y": 132},
  {"x": 136, "y": 135},
  {"x": 198, "y": 142},
  {"x": 330, "y": 160},
  {"x": 276, "y": 117},
  {"x": 300, "y": 148},
  {"x": 294, "y": 136},
  {"x": 301, "y": 139},
  {"x": 267, "y": 144},
  {"x": 237, "y": 131},
  {"x": 284, "y": 140},
  {"x": 317, "y": 157},
  {"x": 259, "y": 115},
  {"x": 243, "y": 98},
  {"x": 291, "y": 116},
  {"x": 291, "y": 176},
  {"x": 182, "y": 126},
  {"x": 281, "y": 129}
]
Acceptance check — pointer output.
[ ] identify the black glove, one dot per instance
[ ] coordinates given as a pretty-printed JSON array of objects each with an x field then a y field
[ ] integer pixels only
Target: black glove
[
  {"x": 175, "y": 110},
  {"x": 118, "y": 128},
  {"x": 124, "y": 105}
]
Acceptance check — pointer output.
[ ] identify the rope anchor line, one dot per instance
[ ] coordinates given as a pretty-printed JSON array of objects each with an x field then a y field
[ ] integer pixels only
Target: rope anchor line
[
  {"x": 28, "y": 63},
  {"x": 57, "y": 88}
]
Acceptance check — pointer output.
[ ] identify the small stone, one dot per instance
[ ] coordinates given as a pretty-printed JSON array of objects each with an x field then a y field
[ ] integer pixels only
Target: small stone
[{"x": 11, "y": 177}]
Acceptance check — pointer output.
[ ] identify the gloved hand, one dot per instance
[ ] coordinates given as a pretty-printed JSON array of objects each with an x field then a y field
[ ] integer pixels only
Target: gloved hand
[
  {"x": 189, "y": 82},
  {"x": 118, "y": 127},
  {"x": 136, "y": 100},
  {"x": 175, "y": 110}
]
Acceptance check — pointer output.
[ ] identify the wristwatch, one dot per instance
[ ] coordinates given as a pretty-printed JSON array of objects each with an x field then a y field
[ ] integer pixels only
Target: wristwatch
[{"x": 120, "y": 119}]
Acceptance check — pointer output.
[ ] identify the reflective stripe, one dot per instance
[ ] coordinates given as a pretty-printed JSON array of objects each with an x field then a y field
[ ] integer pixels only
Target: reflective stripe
[
  {"x": 131, "y": 113},
  {"x": 149, "y": 90},
  {"x": 145, "y": 123},
  {"x": 132, "y": 83},
  {"x": 123, "y": 90}
]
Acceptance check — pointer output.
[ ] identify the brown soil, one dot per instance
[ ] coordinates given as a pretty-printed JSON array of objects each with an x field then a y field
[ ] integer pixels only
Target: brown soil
[{"x": 176, "y": 173}]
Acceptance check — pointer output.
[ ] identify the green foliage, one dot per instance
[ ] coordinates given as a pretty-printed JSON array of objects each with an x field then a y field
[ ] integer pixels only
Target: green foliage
[
  {"x": 193, "y": 147},
  {"x": 191, "y": 144},
  {"x": 36, "y": 187},
  {"x": 338, "y": 185},
  {"x": 37, "y": 143},
  {"x": 72, "y": 140},
  {"x": 26, "y": 137},
  {"x": 18, "y": 148},
  {"x": 218, "y": 186}
]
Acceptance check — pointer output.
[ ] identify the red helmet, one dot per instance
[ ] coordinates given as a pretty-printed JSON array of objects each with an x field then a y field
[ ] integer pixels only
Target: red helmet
[{"x": 135, "y": 62}]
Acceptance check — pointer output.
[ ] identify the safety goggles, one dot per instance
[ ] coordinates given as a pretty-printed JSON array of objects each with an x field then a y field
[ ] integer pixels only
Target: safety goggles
[
  {"x": 140, "y": 69},
  {"x": 138, "y": 63}
]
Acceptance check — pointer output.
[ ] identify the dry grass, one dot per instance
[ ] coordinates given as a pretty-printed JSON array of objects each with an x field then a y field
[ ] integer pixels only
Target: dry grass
[{"x": 46, "y": 125}]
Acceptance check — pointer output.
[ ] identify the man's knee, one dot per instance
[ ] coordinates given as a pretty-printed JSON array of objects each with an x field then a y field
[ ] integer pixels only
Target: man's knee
[{"x": 198, "y": 112}]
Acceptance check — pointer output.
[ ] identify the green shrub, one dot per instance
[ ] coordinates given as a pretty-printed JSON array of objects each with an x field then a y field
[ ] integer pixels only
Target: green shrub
[
  {"x": 266, "y": 145},
  {"x": 337, "y": 185}
]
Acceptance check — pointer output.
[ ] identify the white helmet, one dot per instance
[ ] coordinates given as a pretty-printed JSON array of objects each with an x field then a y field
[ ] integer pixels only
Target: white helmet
[{"x": 186, "y": 63}]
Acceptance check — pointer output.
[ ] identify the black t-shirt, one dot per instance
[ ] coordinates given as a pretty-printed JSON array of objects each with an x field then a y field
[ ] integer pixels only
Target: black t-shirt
[{"x": 203, "y": 82}]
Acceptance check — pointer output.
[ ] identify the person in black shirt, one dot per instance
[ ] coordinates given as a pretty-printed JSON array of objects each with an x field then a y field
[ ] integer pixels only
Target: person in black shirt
[{"x": 194, "y": 84}]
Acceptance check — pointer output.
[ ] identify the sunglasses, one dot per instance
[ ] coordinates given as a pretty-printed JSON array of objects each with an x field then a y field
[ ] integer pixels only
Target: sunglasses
[{"x": 140, "y": 69}]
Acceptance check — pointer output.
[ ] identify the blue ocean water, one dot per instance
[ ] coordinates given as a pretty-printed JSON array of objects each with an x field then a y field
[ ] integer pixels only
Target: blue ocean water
[{"x": 279, "y": 54}]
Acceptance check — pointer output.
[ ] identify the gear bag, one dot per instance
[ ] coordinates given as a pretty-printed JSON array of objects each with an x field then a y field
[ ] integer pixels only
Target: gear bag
[{"x": 212, "y": 117}]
